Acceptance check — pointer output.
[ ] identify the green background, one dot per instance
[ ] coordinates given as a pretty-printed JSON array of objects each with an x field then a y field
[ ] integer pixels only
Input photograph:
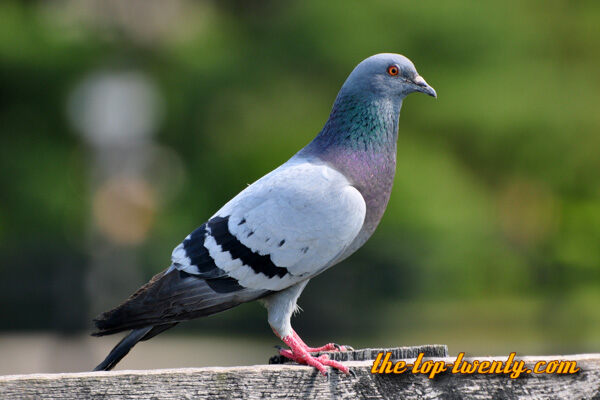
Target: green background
[{"x": 491, "y": 239}]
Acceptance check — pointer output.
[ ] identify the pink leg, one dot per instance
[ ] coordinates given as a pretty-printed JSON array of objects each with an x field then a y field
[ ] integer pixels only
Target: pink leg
[
  {"x": 327, "y": 347},
  {"x": 299, "y": 352}
]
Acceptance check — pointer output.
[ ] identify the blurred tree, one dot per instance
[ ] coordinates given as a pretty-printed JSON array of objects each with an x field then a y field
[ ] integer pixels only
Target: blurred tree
[{"x": 497, "y": 192}]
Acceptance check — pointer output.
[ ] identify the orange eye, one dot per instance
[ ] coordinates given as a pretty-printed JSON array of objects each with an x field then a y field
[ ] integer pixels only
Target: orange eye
[{"x": 392, "y": 70}]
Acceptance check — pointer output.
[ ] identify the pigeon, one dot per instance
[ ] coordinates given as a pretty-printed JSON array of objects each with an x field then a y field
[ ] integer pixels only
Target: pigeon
[{"x": 302, "y": 218}]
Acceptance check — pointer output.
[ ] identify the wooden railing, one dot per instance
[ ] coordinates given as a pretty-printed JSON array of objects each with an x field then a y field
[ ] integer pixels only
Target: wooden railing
[{"x": 290, "y": 381}]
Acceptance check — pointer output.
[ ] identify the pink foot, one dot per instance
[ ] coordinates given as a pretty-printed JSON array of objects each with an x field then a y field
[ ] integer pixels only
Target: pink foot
[
  {"x": 300, "y": 353},
  {"x": 327, "y": 347}
]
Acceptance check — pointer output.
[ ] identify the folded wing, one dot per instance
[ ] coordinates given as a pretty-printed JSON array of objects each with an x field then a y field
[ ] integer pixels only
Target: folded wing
[{"x": 285, "y": 228}]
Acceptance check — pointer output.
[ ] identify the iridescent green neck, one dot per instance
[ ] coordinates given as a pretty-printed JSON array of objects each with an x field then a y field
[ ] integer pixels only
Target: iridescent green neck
[
  {"x": 359, "y": 140},
  {"x": 361, "y": 123}
]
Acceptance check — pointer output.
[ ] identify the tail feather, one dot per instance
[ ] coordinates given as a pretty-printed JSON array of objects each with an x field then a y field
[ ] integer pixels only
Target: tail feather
[
  {"x": 157, "y": 330},
  {"x": 122, "y": 348},
  {"x": 172, "y": 297}
]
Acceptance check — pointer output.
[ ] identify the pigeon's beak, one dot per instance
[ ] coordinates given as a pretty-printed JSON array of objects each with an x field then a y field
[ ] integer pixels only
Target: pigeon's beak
[{"x": 423, "y": 87}]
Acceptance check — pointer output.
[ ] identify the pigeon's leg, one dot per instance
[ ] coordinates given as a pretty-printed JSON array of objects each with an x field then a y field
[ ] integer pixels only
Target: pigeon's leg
[
  {"x": 299, "y": 354},
  {"x": 327, "y": 347},
  {"x": 281, "y": 306}
]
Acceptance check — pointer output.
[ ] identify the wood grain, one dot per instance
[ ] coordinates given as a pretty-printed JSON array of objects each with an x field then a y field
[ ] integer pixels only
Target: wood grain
[{"x": 288, "y": 381}]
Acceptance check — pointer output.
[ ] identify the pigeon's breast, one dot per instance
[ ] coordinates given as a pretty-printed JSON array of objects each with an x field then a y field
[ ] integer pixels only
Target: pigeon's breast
[{"x": 372, "y": 174}]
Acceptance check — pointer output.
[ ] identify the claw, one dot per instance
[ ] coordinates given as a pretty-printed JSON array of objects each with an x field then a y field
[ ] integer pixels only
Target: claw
[
  {"x": 327, "y": 347},
  {"x": 351, "y": 372},
  {"x": 300, "y": 353}
]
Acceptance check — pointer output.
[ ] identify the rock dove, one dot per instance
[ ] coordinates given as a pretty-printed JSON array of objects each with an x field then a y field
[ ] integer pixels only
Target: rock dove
[{"x": 287, "y": 227}]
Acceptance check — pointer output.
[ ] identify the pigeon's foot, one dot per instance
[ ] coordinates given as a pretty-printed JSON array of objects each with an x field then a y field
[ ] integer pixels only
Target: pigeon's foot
[
  {"x": 298, "y": 352},
  {"x": 327, "y": 347}
]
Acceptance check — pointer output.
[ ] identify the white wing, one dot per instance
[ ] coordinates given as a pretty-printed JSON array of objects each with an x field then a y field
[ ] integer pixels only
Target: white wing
[{"x": 286, "y": 227}]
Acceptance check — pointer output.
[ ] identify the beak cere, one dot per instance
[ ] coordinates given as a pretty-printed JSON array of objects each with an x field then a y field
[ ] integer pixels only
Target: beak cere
[{"x": 423, "y": 87}]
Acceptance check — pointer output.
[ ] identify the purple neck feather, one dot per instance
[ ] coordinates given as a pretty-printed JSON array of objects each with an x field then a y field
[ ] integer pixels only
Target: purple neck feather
[{"x": 359, "y": 140}]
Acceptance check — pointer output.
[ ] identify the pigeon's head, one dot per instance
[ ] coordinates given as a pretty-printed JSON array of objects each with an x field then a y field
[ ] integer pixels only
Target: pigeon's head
[{"x": 387, "y": 75}]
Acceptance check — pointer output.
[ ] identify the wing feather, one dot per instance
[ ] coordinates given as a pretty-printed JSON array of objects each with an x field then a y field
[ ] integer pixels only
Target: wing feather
[{"x": 302, "y": 216}]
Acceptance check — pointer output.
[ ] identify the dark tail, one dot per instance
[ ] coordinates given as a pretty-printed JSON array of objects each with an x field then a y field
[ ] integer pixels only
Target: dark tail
[
  {"x": 170, "y": 297},
  {"x": 174, "y": 296},
  {"x": 122, "y": 348}
]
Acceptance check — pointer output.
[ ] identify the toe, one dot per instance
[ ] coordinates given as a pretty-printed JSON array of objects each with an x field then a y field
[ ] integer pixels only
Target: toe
[
  {"x": 337, "y": 365},
  {"x": 287, "y": 354},
  {"x": 342, "y": 347},
  {"x": 318, "y": 364}
]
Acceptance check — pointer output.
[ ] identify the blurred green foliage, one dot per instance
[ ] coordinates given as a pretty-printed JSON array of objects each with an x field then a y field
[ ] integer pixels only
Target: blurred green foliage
[{"x": 497, "y": 192}]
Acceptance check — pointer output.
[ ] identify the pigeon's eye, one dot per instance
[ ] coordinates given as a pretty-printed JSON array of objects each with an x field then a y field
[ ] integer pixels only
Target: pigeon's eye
[{"x": 392, "y": 70}]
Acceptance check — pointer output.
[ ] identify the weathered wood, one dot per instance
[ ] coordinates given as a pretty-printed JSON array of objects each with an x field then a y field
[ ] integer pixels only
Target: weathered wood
[
  {"x": 300, "y": 382},
  {"x": 398, "y": 353}
]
